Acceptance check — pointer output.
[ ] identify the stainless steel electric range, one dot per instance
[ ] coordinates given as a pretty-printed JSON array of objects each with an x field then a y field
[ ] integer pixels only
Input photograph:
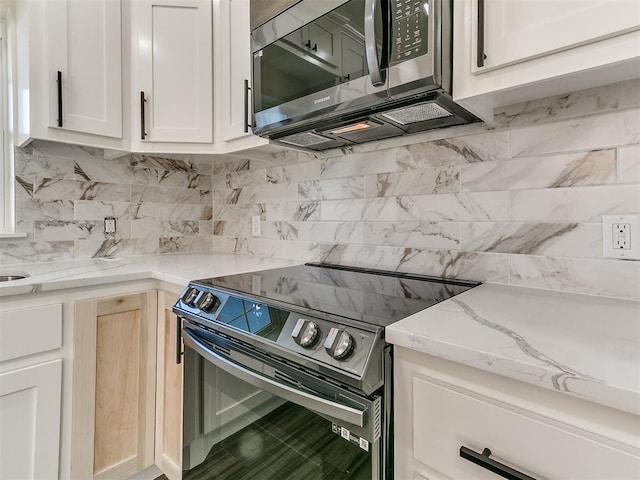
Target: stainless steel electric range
[{"x": 287, "y": 374}]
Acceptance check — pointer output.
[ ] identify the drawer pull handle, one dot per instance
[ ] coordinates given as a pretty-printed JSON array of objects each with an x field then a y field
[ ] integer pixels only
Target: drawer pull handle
[{"x": 483, "y": 460}]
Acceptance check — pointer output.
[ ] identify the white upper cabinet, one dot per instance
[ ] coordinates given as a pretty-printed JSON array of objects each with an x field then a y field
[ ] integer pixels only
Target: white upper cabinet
[
  {"x": 508, "y": 51},
  {"x": 172, "y": 84},
  {"x": 233, "y": 75},
  {"x": 85, "y": 66}
]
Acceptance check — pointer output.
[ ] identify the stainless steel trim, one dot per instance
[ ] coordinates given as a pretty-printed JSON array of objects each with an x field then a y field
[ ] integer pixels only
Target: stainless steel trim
[
  {"x": 320, "y": 405},
  {"x": 371, "y": 49}
]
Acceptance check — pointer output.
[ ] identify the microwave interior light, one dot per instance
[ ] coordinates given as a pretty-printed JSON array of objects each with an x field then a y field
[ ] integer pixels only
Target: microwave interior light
[{"x": 351, "y": 128}]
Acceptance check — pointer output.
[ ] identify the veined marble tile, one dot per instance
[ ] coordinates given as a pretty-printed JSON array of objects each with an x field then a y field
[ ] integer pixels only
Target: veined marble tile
[
  {"x": 185, "y": 180},
  {"x": 97, "y": 210},
  {"x": 629, "y": 94},
  {"x": 616, "y": 278},
  {"x": 52, "y": 189},
  {"x": 331, "y": 232},
  {"x": 413, "y": 234},
  {"x": 240, "y": 179},
  {"x": 464, "y": 207},
  {"x": 235, "y": 196},
  {"x": 292, "y": 211},
  {"x": 285, "y": 249},
  {"x": 414, "y": 182},
  {"x": 629, "y": 164},
  {"x": 186, "y": 244},
  {"x": 354, "y": 164},
  {"x": 345, "y": 187},
  {"x": 564, "y": 170},
  {"x": 231, "y": 229},
  {"x": 359, "y": 209},
  {"x": 551, "y": 239},
  {"x": 29, "y": 251},
  {"x": 55, "y": 230},
  {"x": 113, "y": 171},
  {"x": 206, "y": 197},
  {"x": 480, "y": 147},
  {"x": 483, "y": 267},
  {"x": 206, "y": 227},
  {"x": 364, "y": 256},
  {"x": 171, "y": 163},
  {"x": 143, "y": 194},
  {"x": 584, "y": 133},
  {"x": 235, "y": 165},
  {"x": 28, "y": 209},
  {"x": 50, "y": 167},
  {"x": 584, "y": 102},
  {"x": 285, "y": 157},
  {"x": 573, "y": 205},
  {"x": 277, "y": 230},
  {"x": 275, "y": 192},
  {"x": 235, "y": 212},
  {"x": 224, "y": 245},
  {"x": 24, "y": 187},
  {"x": 172, "y": 211},
  {"x": 44, "y": 149},
  {"x": 294, "y": 173},
  {"x": 126, "y": 247},
  {"x": 177, "y": 228},
  {"x": 147, "y": 228}
]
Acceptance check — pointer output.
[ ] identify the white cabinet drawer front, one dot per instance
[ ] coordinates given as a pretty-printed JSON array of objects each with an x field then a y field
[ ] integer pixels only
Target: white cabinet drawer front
[
  {"x": 26, "y": 331},
  {"x": 445, "y": 420}
]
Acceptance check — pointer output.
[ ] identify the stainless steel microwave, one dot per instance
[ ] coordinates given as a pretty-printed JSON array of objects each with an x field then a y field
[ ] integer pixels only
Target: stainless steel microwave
[{"x": 332, "y": 73}]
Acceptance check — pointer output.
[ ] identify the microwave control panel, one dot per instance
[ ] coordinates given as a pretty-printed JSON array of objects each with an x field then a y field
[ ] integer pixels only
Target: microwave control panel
[{"x": 409, "y": 24}]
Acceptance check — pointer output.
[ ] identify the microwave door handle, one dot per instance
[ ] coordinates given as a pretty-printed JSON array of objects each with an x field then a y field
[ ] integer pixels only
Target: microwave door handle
[
  {"x": 371, "y": 50},
  {"x": 317, "y": 404}
]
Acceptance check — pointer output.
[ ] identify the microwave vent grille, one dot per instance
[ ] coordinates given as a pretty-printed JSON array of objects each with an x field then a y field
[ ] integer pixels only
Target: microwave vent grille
[
  {"x": 417, "y": 113},
  {"x": 304, "y": 139}
]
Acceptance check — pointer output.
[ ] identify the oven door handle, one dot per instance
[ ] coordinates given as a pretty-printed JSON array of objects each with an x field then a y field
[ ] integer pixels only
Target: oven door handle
[{"x": 317, "y": 404}]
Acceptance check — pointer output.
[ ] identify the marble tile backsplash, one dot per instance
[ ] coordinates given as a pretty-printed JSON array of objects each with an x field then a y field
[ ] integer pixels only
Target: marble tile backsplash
[
  {"x": 64, "y": 192},
  {"x": 517, "y": 202}
]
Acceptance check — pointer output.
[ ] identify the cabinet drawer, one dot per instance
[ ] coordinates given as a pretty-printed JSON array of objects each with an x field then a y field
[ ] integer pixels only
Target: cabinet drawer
[
  {"x": 447, "y": 418},
  {"x": 26, "y": 331}
]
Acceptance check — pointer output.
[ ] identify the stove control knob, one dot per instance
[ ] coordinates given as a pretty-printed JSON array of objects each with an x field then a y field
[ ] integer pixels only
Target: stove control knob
[
  {"x": 190, "y": 295},
  {"x": 339, "y": 344},
  {"x": 208, "y": 302},
  {"x": 305, "y": 333}
]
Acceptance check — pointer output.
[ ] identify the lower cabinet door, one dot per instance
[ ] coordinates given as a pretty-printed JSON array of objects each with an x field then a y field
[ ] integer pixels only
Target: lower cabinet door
[
  {"x": 114, "y": 386},
  {"x": 30, "y": 422},
  {"x": 169, "y": 391}
]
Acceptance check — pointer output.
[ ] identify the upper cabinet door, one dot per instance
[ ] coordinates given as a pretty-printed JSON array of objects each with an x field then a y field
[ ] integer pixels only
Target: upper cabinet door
[
  {"x": 519, "y": 31},
  {"x": 85, "y": 66},
  {"x": 174, "y": 70}
]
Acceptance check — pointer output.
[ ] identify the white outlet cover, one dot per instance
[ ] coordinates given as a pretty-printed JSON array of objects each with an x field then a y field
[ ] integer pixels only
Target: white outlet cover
[
  {"x": 608, "y": 250},
  {"x": 255, "y": 225}
]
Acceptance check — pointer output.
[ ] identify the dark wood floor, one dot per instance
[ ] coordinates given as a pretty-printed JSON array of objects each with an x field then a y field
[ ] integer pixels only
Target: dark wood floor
[{"x": 288, "y": 444}]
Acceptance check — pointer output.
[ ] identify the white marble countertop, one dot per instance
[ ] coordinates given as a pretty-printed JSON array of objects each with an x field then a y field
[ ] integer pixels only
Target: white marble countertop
[
  {"x": 177, "y": 269},
  {"x": 582, "y": 345}
]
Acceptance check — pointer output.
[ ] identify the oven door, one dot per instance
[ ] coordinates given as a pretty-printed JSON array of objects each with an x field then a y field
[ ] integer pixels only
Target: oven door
[{"x": 249, "y": 416}]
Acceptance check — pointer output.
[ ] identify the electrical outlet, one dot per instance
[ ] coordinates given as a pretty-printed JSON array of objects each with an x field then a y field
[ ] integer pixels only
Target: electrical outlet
[
  {"x": 621, "y": 236},
  {"x": 255, "y": 225},
  {"x": 109, "y": 225}
]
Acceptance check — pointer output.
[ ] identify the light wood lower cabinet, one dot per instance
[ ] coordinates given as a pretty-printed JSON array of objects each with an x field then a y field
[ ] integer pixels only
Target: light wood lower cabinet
[
  {"x": 169, "y": 392},
  {"x": 114, "y": 386}
]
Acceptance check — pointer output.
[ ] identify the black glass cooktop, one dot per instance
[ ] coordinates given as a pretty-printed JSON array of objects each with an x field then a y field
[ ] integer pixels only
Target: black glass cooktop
[{"x": 371, "y": 296}]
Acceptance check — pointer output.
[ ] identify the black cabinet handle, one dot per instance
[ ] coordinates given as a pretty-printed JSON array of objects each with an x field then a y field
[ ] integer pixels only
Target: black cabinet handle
[
  {"x": 247, "y": 89},
  {"x": 143, "y": 128},
  {"x": 178, "y": 341},
  {"x": 59, "y": 80},
  {"x": 483, "y": 460},
  {"x": 480, "y": 47}
]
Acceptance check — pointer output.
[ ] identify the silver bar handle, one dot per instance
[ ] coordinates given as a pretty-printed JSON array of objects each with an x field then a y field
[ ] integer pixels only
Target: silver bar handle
[
  {"x": 318, "y": 404},
  {"x": 371, "y": 50}
]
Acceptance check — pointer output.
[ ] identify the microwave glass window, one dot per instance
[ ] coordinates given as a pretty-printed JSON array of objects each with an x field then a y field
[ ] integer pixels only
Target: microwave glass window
[{"x": 324, "y": 53}]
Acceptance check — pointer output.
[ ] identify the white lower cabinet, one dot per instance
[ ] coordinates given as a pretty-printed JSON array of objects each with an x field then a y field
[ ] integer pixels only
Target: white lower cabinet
[
  {"x": 30, "y": 391},
  {"x": 444, "y": 410},
  {"x": 30, "y": 422}
]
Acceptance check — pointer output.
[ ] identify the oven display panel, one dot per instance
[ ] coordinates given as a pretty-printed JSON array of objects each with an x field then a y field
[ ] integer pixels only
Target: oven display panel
[{"x": 252, "y": 317}]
